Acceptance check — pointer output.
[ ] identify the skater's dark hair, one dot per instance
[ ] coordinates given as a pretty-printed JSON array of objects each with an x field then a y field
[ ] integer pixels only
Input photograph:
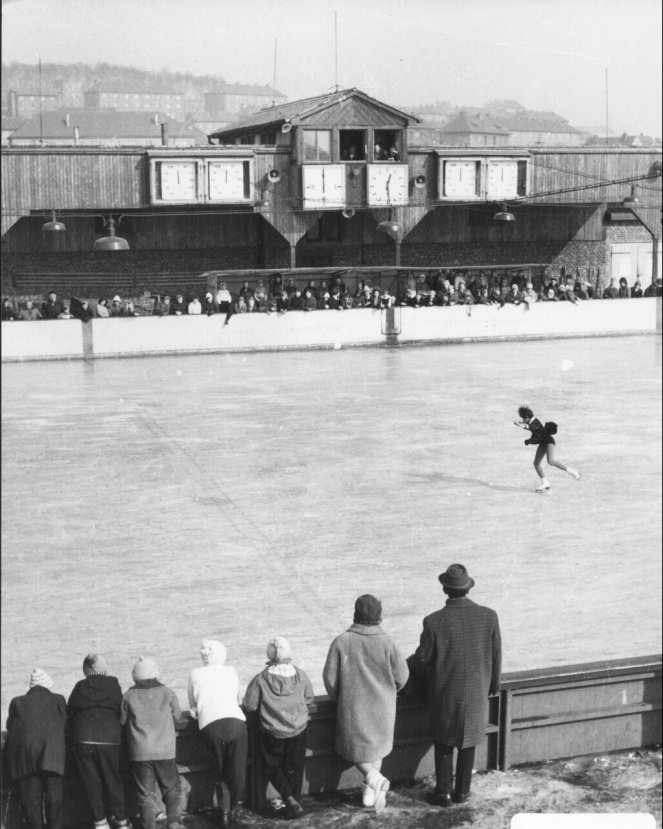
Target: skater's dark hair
[{"x": 525, "y": 412}]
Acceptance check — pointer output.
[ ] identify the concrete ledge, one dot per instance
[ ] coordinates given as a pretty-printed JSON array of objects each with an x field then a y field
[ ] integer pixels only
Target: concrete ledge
[{"x": 150, "y": 336}]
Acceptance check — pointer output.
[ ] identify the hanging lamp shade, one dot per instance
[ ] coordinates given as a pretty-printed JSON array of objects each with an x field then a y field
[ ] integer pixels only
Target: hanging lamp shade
[
  {"x": 53, "y": 226},
  {"x": 111, "y": 242},
  {"x": 394, "y": 229},
  {"x": 632, "y": 200},
  {"x": 504, "y": 215}
]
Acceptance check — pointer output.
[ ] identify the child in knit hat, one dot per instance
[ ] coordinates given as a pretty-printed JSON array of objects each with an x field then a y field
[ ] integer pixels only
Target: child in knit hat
[
  {"x": 35, "y": 750},
  {"x": 280, "y": 695},
  {"x": 150, "y": 711},
  {"x": 94, "y": 725}
]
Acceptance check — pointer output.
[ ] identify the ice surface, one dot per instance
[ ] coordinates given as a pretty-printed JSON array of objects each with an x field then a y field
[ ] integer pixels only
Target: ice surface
[{"x": 149, "y": 503}]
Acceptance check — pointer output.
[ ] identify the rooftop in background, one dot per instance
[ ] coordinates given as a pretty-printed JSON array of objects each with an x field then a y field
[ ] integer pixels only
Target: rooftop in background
[
  {"x": 140, "y": 89},
  {"x": 246, "y": 89},
  {"x": 480, "y": 123},
  {"x": 105, "y": 124},
  {"x": 623, "y": 140},
  {"x": 536, "y": 122}
]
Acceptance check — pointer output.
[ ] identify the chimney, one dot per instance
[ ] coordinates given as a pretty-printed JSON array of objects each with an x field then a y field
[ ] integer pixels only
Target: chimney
[
  {"x": 164, "y": 135},
  {"x": 156, "y": 119},
  {"x": 77, "y": 136},
  {"x": 66, "y": 120}
]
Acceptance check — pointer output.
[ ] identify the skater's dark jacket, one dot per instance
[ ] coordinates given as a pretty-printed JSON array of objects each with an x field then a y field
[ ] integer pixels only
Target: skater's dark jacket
[
  {"x": 94, "y": 711},
  {"x": 541, "y": 435},
  {"x": 35, "y": 733},
  {"x": 460, "y": 656}
]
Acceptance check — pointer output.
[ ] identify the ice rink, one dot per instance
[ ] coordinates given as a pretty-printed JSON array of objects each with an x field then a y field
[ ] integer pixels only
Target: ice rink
[{"x": 149, "y": 503}]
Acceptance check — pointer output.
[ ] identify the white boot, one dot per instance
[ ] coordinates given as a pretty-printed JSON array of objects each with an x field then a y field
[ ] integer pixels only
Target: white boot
[
  {"x": 573, "y": 472},
  {"x": 367, "y": 795},
  {"x": 545, "y": 484}
]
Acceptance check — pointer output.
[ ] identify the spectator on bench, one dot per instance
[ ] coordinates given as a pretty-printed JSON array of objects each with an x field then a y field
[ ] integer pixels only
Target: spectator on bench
[
  {"x": 65, "y": 313},
  {"x": 224, "y": 299},
  {"x": 29, "y": 313},
  {"x": 251, "y": 304},
  {"x": 194, "y": 307},
  {"x": 636, "y": 290},
  {"x": 102, "y": 308},
  {"x": 240, "y": 305},
  {"x": 283, "y": 302},
  {"x": 624, "y": 292},
  {"x": 310, "y": 303},
  {"x": 655, "y": 288},
  {"x": 549, "y": 295},
  {"x": 280, "y": 695},
  {"x": 335, "y": 300},
  {"x": 513, "y": 295},
  {"x": 297, "y": 300},
  {"x": 464, "y": 295},
  {"x": 81, "y": 310},
  {"x": 178, "y": 308},
  {"x": 130, "y": 310},
  {"x": 276, "y": 285},
  {"x": 580, "y": 290},
  {"x": 245, "y": 291},
  {"x": 150, "y": 711},
  {"x": 115, "y": 309},
  {"x": 95, "y": 733},
  {"x": 8, "y": 313},
  {"x": 529, "y": 294},
  {"x": 51, "y": 308},
  {"x": 209, "y": 305},
  {"x": 161, "y": 306},
  {"x": 612, "y": 291},
  {"x": 35, "y": 751}
]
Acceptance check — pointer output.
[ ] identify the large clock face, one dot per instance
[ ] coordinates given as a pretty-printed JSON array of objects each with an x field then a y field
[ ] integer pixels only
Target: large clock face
[
  {"x": 323, "y": 185},
  {"x": 502, "y": 180},
  {"x": 179, "y": 180},
  {"x": 459, "y": 179},
  {"x": 387, "y": 184},
  {"x": 226, "y": 180}
]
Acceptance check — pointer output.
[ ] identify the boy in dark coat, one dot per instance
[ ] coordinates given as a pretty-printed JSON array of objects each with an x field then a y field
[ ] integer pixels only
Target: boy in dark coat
[
  {"x": 461, "y": 654},
  {"x": 94, "y": 725},
  {"x": 35, "y": 751},
  {"x": 280, "y": 695}
]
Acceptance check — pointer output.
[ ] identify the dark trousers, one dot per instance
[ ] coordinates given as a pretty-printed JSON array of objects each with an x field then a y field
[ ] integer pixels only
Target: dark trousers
[
  {"x": 284, "y": 762},
  {"x": 229, "y": 741},
  {"x": 444, "y": 769},
  {"x": 99, "y": 770},
  {"x": 38, "y": 792},
  {"x": 164, "y": 773}
]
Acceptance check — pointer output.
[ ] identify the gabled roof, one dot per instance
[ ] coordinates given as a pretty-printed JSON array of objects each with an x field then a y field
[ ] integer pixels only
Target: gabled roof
[
  {"x": 535, "y": 122},
  {"x": 104, "y": 123},
  {"x": 35, "y": 93},
  {"x": 298, "y": 112},
  {"x": 480, "y": 124},
  {"x": 127, "y": 88}
]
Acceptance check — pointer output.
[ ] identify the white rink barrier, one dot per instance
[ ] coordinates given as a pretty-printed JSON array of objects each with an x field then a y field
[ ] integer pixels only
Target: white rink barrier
[{"x": 140, "y": 336}]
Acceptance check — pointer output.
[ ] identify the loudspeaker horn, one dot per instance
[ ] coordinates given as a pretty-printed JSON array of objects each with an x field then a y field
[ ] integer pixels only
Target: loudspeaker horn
[
  {"x": 286, "y": 127},
  {"x": 420, "y": 181},
  {"x": 348, "y": 213},
  {"x": 274, "y": 176}
]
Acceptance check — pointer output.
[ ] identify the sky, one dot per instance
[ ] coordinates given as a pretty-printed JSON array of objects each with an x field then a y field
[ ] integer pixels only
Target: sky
[{"x": 546, "y": 54}]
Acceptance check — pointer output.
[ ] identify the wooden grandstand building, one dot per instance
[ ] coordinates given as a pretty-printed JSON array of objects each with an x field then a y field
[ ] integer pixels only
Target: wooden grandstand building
[{"x": 314, "y": 183}]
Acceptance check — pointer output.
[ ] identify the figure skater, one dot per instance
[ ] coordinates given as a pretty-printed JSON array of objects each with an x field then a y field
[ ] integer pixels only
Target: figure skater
[{"x": 542, "y": 438}]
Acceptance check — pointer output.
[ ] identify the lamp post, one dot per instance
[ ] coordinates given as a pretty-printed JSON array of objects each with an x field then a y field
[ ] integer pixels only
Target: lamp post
[{"x": 393, "y": 229}]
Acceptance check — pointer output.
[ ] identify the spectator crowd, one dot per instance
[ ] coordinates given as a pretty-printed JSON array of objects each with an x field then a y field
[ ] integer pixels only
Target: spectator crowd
[
  {"x": 444, "y": 288},
  {"x": 458, "y": 660}
]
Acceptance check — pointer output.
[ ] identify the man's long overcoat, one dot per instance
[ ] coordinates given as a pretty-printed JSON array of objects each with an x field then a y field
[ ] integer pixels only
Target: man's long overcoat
[{"x": 461, "y": 654}]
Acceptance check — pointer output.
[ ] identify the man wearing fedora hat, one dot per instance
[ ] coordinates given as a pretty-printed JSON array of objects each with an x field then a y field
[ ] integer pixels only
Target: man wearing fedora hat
[{"x": 460, "y": 655}]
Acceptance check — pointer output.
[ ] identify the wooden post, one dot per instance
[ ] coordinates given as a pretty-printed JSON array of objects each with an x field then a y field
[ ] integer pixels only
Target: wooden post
[
  {"x": 397, "y": 254},
  {"x": 654, "y": 259},
  {"x": 293, "y": 255},
  {"x": 505, "y": 730}
]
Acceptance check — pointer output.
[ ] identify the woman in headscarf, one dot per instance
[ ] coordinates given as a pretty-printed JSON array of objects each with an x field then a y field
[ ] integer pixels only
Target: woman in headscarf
[
  {"x": 363, "y": 673},
  {"x": 214, "y": 702}
]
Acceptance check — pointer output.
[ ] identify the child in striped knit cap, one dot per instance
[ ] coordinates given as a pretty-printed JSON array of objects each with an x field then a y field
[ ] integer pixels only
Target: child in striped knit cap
[{"x": 94, "y": 724}]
